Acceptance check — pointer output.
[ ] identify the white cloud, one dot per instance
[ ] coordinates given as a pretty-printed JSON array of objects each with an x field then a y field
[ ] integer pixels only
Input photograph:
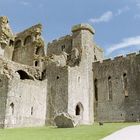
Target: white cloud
[
  {"x": 25, "y": 3},
  {"x": 125, "y": 43},
  {"x": 106, "y": 17},
  {"x": 122, "y": 10}
]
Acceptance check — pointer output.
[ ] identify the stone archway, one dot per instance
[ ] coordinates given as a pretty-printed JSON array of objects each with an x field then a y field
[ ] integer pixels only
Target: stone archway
[{"x": 79, "y": 110}]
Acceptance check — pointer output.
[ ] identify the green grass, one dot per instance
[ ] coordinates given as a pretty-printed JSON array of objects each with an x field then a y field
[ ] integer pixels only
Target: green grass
[{"x": 93, "y": 132}]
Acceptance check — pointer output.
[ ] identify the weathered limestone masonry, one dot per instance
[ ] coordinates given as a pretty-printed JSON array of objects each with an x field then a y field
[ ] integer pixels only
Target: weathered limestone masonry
[
  {"x": 36, "y": 86},
  {"x": 25, "y": 96},
  {"x": 29, "y": 41},
  {"x": 117, "y": 90},
  {"x": 6, "y": 38},
  {"x": 22, "y": 93},
  {"x": 70, "y": 86}
]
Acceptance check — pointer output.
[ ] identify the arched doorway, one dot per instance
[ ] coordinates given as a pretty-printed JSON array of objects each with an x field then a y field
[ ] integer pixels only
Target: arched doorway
[
  {"x": 79, "y": 110},
  {"x": 24, "y": 75},
  {"x": 12, "y": 109}
]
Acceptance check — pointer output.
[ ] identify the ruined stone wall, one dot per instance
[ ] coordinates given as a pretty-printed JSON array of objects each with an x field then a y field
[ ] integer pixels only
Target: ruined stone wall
[
  {"x": 57, "y": 91},
  {"x": 117, "y": 89},
  {"x": 29, "y": 100},
  {"x": 29, "y": 46},
  {"x": 6, "y": 39},
  {"x": 98, "y": 53},
  {"x": 62, "y": 44},
  {"x": 3, "y": 98},
  {"x": 23, "y": 96}
]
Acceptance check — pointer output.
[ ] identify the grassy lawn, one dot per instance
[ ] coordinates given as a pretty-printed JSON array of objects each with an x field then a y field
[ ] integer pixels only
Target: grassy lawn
[{"x": 93, "y": 132}]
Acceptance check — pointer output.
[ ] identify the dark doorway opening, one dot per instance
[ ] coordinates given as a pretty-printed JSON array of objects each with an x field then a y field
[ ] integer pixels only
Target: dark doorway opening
[
  {"x": 24, "y": 75},
  {"x": 12, "y": 108},
  {"x": 77, "y": 110}
]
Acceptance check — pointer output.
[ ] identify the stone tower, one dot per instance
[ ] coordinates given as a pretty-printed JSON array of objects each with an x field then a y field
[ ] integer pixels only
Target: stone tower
[{"x": 70, "y": 86}]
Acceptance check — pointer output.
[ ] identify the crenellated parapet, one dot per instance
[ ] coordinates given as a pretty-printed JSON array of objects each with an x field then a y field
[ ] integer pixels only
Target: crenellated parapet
[
  {"x": 59, "y": 45},
  {"x": 117, "y": 59},
  {"x": 61, "y": 39}
]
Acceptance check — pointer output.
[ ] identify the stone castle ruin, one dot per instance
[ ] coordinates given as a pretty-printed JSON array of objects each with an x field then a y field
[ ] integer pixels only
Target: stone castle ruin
[{"x": 71, "y": 76}]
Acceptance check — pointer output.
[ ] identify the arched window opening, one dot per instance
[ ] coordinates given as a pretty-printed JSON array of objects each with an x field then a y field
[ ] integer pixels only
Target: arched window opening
[
  {"x": 79, "y": 109},
  {"x": 37, "y": 50},
  {"x": 95, "y": 58},
  {"x": 18, "y": 43},
  {"x": 43, "y": 74},
  {"x": 109, "y": 88},
  {"x": 96, "y": 89},
  {"x": 36, "y": 63},
  {"x": 32, "y": 110},
  {"x": 12, "y": 108},
  {"x": 24, "y": 75},
  {"x": 125, "y": 84},
  {"x": 28, "y": 40},
  {"x": 11, "y": 43}
]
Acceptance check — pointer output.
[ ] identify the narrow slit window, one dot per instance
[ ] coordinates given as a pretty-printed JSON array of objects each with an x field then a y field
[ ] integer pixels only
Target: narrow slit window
[
  {"x": 32, "y": 109},
  {"x": 96, "y": 89},
  {"x": 109, "y": 88},
  {"x": 125, "y": 85}
]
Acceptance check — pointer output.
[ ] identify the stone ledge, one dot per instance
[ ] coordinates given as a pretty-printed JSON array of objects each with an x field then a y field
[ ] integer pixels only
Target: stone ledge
[{"x": 83, "y": 26}]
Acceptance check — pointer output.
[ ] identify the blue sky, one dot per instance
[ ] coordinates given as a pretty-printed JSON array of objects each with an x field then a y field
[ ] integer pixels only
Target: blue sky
[{"x": 117, "y": 22}]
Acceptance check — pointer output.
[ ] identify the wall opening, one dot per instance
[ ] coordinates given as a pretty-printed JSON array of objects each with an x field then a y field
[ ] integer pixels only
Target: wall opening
[
  {"x": 79, "y": 110},
  {"x": 11, "y": 43},
  {"x": 109, "y": 88},
  {"x": 43, "y": 74},
  {"x": 63, "y": 47},
  {"x": 57, "y": 77},
  {"x": 24, "y": 75},
  {"x": 36, "y": 63},
  {"x": 32, "y": 110},
  {"x": 27, "y": 40},
  {"x": 125, "y": 85},
  {"x": 1, "y": 83},
  {"x": 79, "y": 79},
  {"x": 37, "y": 50},
  {"x": 18, "y": 43},
  {"x": 12, "y": 108},
  {"x": 96, "y": 89},
  {"x": 95, "y": 58}
]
